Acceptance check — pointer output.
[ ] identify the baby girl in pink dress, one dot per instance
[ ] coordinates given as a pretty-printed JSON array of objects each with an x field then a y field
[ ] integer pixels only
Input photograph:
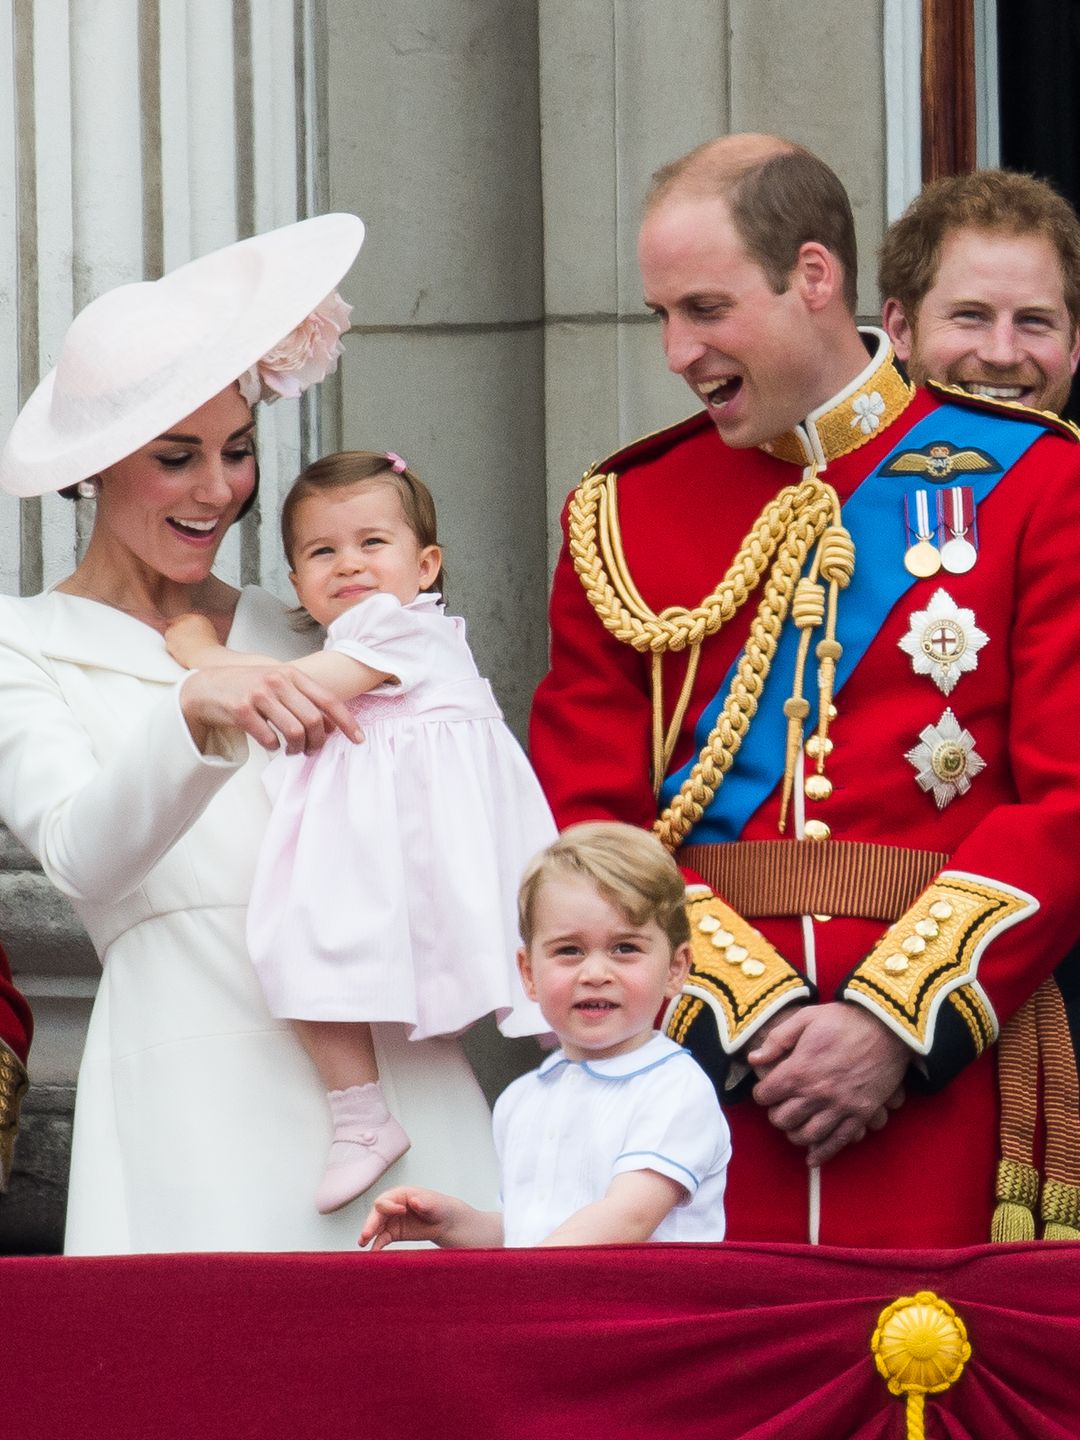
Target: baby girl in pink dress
[{"x": 387, "y": 882}]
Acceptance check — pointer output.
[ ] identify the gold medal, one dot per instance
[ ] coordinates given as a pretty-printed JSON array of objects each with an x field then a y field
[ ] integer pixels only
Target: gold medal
[{"x": 922, "y": 559}]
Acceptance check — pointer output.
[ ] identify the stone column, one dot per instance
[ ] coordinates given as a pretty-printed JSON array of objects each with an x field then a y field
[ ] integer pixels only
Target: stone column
[
  {"x": 434, "y": 133},
  {"x": 142, "y": 132},
  {"x": 625, "y": 87},
  {"x": 434, "y": 141}
]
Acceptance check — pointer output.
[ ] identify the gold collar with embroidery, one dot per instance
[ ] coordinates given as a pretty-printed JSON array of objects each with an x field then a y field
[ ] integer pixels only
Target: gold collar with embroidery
[{"x": 868, "y": 405}]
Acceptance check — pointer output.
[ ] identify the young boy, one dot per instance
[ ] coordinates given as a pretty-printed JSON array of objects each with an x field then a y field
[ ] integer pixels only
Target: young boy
[{"x": 618, "y": 1136}]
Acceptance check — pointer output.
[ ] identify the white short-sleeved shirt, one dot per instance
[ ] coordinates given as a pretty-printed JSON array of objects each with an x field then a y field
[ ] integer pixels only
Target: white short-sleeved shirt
[{"x": 564, "y": 1131}]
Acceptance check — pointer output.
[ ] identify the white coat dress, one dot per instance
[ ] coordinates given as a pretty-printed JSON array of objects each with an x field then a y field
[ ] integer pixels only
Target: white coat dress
[{"x": 200, "y": 1124}]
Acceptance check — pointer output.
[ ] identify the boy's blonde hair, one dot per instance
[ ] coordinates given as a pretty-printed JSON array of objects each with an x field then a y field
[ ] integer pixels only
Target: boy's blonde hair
[{"x": 629, "y": 867}]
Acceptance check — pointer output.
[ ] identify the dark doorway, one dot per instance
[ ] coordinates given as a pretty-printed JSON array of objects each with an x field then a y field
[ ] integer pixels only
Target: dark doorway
[{"x": 1038, "y": 64}]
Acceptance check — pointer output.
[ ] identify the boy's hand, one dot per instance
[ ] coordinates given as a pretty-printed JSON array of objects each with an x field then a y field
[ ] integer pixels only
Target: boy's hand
[
  {"x": 406, "y": 1213},
  {"x": 410, "y": 1213},
  {"x": 188, "y": 637}
]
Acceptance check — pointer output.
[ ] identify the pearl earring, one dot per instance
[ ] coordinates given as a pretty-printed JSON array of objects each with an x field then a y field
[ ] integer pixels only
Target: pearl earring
[{"x": 88, "y": 489}]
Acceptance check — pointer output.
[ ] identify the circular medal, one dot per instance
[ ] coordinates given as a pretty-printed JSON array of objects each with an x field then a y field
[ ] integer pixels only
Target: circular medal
[
  {"x": 958, "y": 555},
  {"x": 922, "y": 559}
]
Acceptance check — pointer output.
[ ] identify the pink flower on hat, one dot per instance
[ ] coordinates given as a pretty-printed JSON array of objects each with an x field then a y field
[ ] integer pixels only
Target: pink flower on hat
[{"x": 306, "y": 355}]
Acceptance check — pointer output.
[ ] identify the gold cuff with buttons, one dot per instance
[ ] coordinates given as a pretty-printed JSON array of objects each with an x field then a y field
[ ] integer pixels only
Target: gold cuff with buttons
[
  {"x": 932, "y": 955},
  {"x": 735, "y": 969}
]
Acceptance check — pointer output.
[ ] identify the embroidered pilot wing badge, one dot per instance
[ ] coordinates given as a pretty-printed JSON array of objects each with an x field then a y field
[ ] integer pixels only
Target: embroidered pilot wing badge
[
  {"x": 943, "y": 641},
  {"x": 939, "y": 460},
  {"x": 945, "y": 760}
]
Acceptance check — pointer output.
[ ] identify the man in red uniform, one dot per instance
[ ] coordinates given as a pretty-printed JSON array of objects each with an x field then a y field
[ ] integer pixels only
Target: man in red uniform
[
  {"x": 819, "y": 635},
  {"x": 16, "y": 1028}
]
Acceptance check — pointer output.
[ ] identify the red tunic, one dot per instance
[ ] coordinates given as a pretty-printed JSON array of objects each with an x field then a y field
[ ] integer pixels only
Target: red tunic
[
  {"x": 685, "y": 503},
  {"x": 16, "y": 1025}
]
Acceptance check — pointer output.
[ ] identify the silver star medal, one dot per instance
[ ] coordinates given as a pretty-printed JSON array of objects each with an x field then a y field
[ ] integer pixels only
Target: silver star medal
[
  {"x": 943, "y": 641},
  {"x": 945, "y": 760}
]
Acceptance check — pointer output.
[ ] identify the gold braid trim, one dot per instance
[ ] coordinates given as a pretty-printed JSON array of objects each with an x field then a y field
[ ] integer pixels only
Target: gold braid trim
[
  {"x": 13, "y": 1085},
  {"x": 1016, "y": 1187},
  {"x": 1037, "y": 1074},
  {"x": 683, "y": 1014},
  {"x": 975, "y": 1014},
  {"x": 1016, "y": 1190},
  {"x": 1061, "y": 1111},
  {"x": 779, "y": 542}
]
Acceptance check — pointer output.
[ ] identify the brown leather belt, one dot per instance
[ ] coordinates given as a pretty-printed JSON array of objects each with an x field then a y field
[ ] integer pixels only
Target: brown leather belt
[{"x": 815, "y": 877}]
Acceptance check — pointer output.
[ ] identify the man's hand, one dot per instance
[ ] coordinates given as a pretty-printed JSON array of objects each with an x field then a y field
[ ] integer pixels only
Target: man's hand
[{"x": 830, "y": 1073}]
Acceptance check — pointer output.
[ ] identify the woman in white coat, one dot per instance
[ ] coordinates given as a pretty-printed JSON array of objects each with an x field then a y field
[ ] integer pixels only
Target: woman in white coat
[{"x": 199, "y": 1123}]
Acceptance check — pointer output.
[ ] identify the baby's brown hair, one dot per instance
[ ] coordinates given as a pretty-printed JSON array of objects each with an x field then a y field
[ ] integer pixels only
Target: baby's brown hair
[{"x": 354, "y": 467}]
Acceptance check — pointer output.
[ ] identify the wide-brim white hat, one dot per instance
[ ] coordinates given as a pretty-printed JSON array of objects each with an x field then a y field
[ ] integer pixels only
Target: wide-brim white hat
[{"x": 141, "y": 357}]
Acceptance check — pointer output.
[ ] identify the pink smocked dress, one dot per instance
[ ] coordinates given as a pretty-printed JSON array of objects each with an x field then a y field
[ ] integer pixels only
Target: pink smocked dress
[{"x": 386, "y": 888}]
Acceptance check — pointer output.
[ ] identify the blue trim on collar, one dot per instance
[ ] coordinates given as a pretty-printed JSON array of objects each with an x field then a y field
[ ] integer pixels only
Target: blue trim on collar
[{"x": 556, "y": 1062}]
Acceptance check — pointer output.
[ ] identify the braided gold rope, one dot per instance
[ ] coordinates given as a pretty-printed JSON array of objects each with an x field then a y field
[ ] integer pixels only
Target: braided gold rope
[
  {"x": 781, "y": 537},
  {"x": 616, "y": 601}
]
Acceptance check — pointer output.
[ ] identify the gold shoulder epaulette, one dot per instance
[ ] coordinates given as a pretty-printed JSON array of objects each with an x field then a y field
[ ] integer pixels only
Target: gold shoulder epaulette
[
  {"x": 645, "y": 447},
  {"x": 1011, "y": 409}
]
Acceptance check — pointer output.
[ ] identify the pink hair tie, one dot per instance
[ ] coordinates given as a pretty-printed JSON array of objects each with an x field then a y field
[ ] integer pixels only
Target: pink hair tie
[{"x": 397, "y": 464}]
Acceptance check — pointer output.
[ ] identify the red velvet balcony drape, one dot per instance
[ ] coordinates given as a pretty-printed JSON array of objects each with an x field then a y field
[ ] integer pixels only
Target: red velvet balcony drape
[{"x": 694, "y": 1342}]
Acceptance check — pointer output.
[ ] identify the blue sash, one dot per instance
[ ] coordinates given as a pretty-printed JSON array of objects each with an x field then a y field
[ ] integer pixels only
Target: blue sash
[{"x": 874, "y": 516}]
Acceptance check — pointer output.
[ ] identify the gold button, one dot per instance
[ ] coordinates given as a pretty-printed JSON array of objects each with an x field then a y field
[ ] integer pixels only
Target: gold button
[
  {"x": 821, "y": 918},
  {"x": 816, "y": 830},
  {"x": 926, "y": 928},
  {"x": 913, "y": 945},
  {"x": 707, "y": 924},
  {"x": 736, "y": 954},
  {"x": 753, "y": 968},
  {"x": 941, "y": 910},
  {"x": 721, "y": 939},
  {"x": 896, "y": 964},
  {"x": 832, "y": 712},
  {"x": 814, "y": 747},
  {"x": 818, "y": 787}
]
